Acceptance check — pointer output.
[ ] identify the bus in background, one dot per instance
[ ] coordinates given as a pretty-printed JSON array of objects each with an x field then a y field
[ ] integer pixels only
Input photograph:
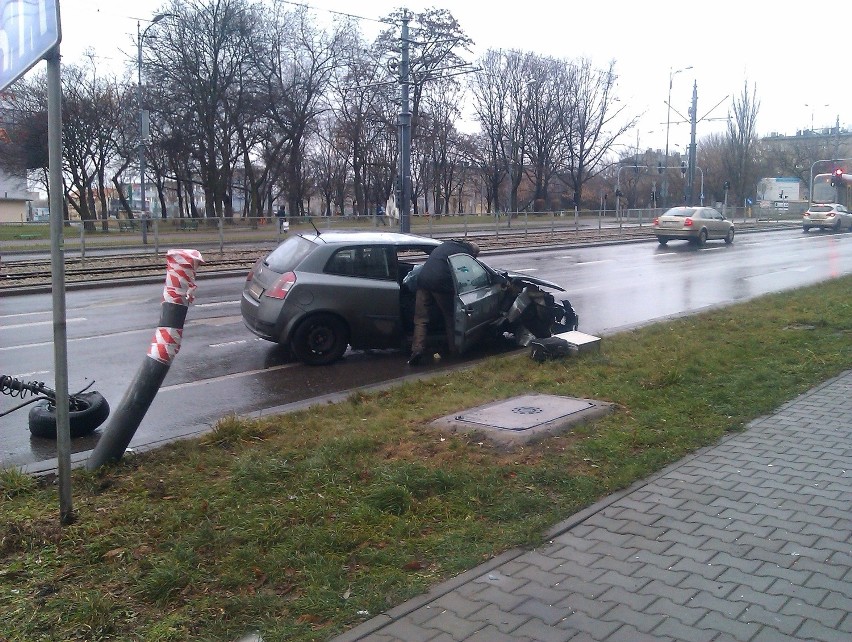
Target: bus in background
[{"x": 831, "y": 202}]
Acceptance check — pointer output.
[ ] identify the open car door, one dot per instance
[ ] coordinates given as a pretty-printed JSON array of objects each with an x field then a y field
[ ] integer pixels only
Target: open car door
[{"x": 478, "y": 299}]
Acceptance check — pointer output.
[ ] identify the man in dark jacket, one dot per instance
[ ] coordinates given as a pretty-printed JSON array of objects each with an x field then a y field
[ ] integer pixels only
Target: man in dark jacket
[{"x": 436, "y": 287}]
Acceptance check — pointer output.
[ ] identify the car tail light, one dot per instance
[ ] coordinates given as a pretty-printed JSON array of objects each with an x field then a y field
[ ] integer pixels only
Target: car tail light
[
  {"x": 282, "y": 286},
  {"x": 253, "y": 269},
  {"x": 656, "y": 220},
  {"x": 806, "y": 214},
  {"x": 830, "y": 214},
  {"x": 687, "y": 222}
]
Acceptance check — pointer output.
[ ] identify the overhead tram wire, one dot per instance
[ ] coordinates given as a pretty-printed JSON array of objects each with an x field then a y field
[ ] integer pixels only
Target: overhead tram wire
[{"x": 339, "y": 13}]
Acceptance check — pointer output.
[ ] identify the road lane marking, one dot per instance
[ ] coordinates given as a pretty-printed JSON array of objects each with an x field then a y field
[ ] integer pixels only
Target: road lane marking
[
  {"x": 41, "y": 344},
  {"x": 38, "y": 323},
  {"x": 24, "y": 314},
  {"x": 777, "y": 273},
  {"x": 595, "y": 262},
  {"x": 227, "y": 343},
  {"x": 236, "y": 375},
  {"x": 526, "y": 270},
  {"x": 219, "y": 304}
]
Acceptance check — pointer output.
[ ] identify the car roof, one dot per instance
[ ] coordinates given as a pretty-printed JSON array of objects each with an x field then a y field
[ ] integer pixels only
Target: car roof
[
  {"x": 688, "y": 210},
  {"x": 375, "y": 238}
]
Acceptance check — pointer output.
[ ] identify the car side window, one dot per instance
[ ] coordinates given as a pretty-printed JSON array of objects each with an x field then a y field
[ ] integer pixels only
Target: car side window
[
  {"x": 342, "y": 262},
  {"x": 468, "y": 273},
  {"x": 365, "y": 262}
]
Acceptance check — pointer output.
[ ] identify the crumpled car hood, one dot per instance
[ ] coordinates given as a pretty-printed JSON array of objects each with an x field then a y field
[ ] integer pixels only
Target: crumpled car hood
[{"x": 525, "y": 278}]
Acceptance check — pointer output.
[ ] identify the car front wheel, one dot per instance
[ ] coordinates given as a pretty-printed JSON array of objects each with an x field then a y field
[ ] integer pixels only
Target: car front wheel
[
  {"x": 702, "y": 237},
  {"x": 729, "y": 237},
  {"x": 320, "y": 339}
]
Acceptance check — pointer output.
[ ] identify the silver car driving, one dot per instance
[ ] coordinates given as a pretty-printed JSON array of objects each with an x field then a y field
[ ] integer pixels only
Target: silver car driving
[{"x": 694, "y": 224}]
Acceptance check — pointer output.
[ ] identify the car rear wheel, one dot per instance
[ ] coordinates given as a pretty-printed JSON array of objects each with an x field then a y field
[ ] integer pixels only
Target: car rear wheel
[
  {"x": 729, "y": 237},
  {"x": 662, "y": 240},
  {"x": 806, "y": 228},
  {"x": 320, "y": 339},
  {"x": 702, "y": 238}
]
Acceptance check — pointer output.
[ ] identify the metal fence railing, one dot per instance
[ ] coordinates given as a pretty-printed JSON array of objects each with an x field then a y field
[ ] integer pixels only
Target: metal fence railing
[{"x": 156, "y": 234}]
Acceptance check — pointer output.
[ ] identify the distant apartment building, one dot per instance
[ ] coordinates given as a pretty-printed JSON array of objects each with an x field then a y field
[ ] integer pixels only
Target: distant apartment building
[{"x": 15, "y": 200}]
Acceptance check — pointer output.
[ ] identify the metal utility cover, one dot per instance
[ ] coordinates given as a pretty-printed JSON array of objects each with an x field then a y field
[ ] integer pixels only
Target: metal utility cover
[
  {"x": 523, "y": 419},
  {"x": 523, "y": 413}
]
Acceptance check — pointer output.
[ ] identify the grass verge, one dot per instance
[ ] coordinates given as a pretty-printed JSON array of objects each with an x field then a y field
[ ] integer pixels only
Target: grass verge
[{"x": 300, "y": 526}]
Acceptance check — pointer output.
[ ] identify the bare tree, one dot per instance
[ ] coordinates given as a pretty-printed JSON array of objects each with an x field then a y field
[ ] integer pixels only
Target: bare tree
[
  {"x": 202, "y": 53},
  {"x": 592, "y": 122},
  {"x": 741, "y": 142}
]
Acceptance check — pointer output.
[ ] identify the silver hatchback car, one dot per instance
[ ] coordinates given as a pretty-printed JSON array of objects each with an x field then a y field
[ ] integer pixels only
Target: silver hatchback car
[
  {"x": 694, "y": 224},
  {"x": 827, "y": 216},
  {"x": 319, "y": 293}
]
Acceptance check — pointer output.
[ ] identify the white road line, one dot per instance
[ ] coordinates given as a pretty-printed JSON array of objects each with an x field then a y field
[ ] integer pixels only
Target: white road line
[
  {"x": 30, "y": 375},
  {"x": 778, "y": 273},
  {"x": 220, "y": 304},
  {"x": 98, "y": 338},
  {"x": 595, "y": 262},
  {"x": 228, "y": 343},
  {"x": 526, "y": 270},
  {"x": 37, "y": 323},
  {"x": 236, "y": 375},
  {"x": 24, "y": 314}
]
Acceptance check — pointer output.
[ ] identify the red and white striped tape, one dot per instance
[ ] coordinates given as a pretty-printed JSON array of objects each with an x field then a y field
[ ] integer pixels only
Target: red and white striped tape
[
  {"x": 180, "y": 276},
  {"x": 166, "y": 344}
]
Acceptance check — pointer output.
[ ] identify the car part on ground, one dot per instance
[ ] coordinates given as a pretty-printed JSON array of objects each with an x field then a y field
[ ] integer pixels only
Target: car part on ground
[{"x": 86, "y": 410}]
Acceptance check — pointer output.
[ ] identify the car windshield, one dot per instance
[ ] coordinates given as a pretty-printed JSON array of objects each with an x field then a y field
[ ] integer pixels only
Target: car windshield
[
  {"x": 681, "y": 212},
  {"x": 821, "y": 208},
  {"x": 289, "y": 254}
]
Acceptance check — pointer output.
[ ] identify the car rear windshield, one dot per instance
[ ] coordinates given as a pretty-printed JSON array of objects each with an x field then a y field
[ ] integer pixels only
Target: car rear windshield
[
  {"x": 289, "y": 254},
  {"x": 821, "y": 208},
  {"x": 682, "y": 212}
]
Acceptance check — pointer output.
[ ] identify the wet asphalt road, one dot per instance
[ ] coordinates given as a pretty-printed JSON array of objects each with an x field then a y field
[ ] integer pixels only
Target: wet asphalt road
[{"x": 223, "y": 369}]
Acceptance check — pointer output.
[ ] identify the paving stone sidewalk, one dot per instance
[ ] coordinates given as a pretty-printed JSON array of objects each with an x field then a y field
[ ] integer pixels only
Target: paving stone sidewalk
[{"x": 749, "y": 540}]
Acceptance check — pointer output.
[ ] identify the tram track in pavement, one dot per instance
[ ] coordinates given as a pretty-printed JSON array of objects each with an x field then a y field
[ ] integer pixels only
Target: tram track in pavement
[{"x": 91, "y": 271}]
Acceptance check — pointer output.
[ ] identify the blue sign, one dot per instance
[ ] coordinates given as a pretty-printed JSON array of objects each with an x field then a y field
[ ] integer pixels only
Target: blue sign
[{"x": 28, "y": 30}]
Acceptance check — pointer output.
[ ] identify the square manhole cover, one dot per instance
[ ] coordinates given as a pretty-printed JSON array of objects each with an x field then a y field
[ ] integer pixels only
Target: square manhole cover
[
  {"x": 524, "y": 419},
  {"x": 523, "y": 413}
]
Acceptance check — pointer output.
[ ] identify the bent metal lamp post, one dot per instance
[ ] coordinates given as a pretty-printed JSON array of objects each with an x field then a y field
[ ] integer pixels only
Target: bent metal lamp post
[{"x": 177, "y": 295}]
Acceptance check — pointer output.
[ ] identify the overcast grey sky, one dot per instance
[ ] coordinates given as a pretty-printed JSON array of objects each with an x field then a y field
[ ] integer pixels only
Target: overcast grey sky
[{"x": 727, "y": 43}]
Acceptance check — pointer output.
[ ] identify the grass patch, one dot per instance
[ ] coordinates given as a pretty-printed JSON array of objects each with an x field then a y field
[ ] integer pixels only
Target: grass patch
[{"x": 302, "y": 525}]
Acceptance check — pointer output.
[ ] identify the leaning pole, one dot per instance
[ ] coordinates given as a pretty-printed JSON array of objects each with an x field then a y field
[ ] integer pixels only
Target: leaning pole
[{"x": 177, "y": 295}]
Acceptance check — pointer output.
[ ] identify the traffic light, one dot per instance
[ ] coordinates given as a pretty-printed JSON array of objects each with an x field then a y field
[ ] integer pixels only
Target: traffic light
[
  {"x": 617, "y": 193},
  {"x": 683, "y": 169},
  {"x": 660, "y": 167},
  {"x": 726, "y": 185},
  {"x": 836, "y": 176}
]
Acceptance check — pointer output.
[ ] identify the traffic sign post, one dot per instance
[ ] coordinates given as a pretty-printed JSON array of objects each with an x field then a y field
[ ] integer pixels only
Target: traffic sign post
[{"x": 30, "y": 32}]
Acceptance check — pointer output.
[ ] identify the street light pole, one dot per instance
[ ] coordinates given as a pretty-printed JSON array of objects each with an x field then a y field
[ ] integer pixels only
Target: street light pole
[
  {"x": 140, "y": 36},
  {"x": 672, "y": 74}
]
